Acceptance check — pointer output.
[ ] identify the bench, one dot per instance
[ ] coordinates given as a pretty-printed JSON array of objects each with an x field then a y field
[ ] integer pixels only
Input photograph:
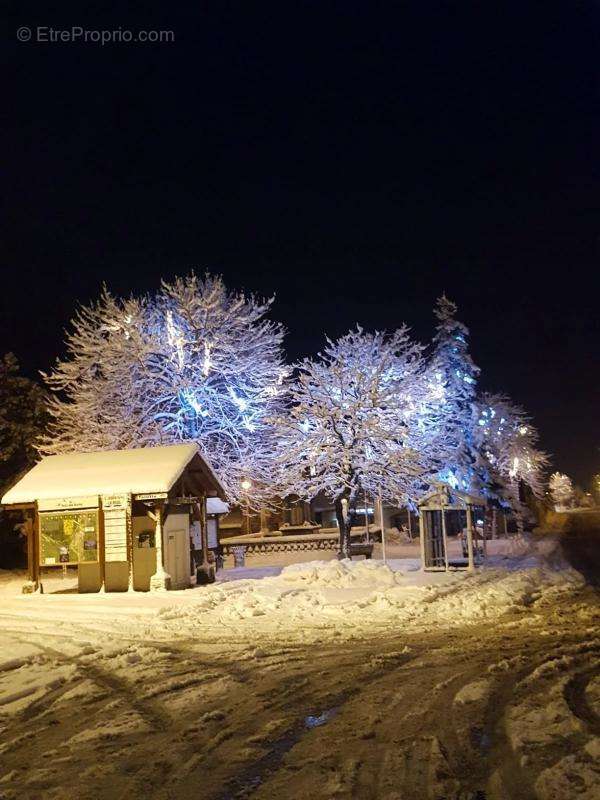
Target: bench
[{"x": 361, "y": 549}]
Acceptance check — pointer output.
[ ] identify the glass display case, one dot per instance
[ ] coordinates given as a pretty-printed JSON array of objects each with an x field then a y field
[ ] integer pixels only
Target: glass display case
[{"x": 68, "y": 537}]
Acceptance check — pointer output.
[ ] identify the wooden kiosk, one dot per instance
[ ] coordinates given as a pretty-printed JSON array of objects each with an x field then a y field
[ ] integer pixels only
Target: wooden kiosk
[
  {"x": 432, "y": 525},
  {"x": 121, "y": 517}
]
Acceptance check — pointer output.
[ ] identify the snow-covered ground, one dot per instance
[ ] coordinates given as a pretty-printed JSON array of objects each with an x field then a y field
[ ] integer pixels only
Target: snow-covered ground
[
  {"x": 301, "y": 601},
  {"x": 279, "y": 680}
]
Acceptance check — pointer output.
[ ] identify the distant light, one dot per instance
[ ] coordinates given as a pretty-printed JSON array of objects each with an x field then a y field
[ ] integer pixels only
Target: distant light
[{"x": 246, "y": 484}]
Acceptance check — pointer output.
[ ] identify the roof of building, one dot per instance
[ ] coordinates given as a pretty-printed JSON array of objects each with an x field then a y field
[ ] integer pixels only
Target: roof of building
[
  {"x": 144, "y": 470},
  {"x": 446, "y": 495},
  {"x": 215, "y": 505}
]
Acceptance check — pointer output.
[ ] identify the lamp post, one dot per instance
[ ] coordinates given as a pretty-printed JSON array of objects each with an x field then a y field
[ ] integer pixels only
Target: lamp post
[{"x": 246, "y": 486}]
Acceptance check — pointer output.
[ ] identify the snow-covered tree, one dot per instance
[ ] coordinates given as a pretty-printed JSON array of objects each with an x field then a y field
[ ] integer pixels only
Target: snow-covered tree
[
  {"x": 453, "y": 380},
  {"x": 508, "y": 453},
  {"x": 352, "y": 424},
  {"x": 561, "y": 490},
  {"x": 22, "y": 420},
  {"x": 193, "y": 362}
]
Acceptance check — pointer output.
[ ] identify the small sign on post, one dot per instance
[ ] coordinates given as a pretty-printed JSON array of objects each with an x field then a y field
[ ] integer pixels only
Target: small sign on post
[{"x": 115, "y": 501}]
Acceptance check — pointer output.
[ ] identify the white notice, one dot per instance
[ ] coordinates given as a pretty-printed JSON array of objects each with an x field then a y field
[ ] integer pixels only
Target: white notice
[
  {"x": 115, "y": 535},
  {"x": 211, "y": 530}
]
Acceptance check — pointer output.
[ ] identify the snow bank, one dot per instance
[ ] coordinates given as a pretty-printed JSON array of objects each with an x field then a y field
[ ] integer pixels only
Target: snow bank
[
  {"x": 348, "y": 599},
  {"x": 340, "y": 575},
  {"x": 355, "y": 596}
]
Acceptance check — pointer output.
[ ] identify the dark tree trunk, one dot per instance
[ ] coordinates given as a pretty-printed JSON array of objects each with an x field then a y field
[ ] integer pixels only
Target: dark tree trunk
[{"x": 344, "y": 527}]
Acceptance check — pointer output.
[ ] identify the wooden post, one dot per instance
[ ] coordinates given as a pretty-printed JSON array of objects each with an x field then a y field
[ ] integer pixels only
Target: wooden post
[
  {"x": 30, "y": 528},
  {"x": 30, "y": 516},
  {"x": 129, "y": 534},
  {"x": 306, "y": 511},
  {"x": 204, "y": 573},
  {"x": 101, "y": 547},
  {"x": 382, "y": 529},
  {"x": 471, "y": 567},
  {"x": 484, "y": 546},
  {"x": 36, "y": 548},
  {"x": 378, "y": 515},
  {"x": 158, "y": 540},
  {"x": 422, "y": 537},
  {"x": 409, "y": 523},
  {"x": 161, "y": 580},
  {"x": 445, "y": 537},
  {"x": 264, "y": 521}
]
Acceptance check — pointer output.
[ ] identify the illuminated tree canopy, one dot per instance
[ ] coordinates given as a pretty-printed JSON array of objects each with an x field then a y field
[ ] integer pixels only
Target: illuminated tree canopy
[
  {"x": 506, "y": 441},
  {"x": 371, "y": 413},
  {"x": 354, "y": 423},
  {"x": 454, "y": 386},
  {"x": 192, "y": 362}
]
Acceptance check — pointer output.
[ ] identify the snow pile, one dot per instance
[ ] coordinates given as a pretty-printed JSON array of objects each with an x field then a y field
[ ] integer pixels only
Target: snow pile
[
  {"x": 340, "y": 575},
  {"x": 346, "y": 598},
  {"x": 354, "y": 596}
]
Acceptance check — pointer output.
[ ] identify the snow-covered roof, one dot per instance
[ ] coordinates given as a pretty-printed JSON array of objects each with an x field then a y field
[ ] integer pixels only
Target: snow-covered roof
[
  {"x": 214, "y": 505},
  {"x": 446, "y": 495},
  {"x": 145, "y": 470}
]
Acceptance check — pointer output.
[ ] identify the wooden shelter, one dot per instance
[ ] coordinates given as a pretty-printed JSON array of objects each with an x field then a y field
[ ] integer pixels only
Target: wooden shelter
[
  {"x": 121, "y": 517},
  {"x": 432, "y": 524}
]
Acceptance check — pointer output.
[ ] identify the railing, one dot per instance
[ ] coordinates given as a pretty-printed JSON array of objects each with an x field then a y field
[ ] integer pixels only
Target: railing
[{"x": 285, "y": 544}]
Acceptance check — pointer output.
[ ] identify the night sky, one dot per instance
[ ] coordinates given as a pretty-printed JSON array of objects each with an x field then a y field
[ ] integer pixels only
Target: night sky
[{"x": 355, "y": 159}]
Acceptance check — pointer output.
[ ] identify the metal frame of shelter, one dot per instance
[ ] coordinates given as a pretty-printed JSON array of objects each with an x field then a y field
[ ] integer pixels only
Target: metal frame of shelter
[{"x": 432, "y": 527}]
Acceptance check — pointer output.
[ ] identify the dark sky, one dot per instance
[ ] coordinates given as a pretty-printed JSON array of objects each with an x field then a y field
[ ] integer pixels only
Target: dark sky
[{"x": 355, "y": 158}]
